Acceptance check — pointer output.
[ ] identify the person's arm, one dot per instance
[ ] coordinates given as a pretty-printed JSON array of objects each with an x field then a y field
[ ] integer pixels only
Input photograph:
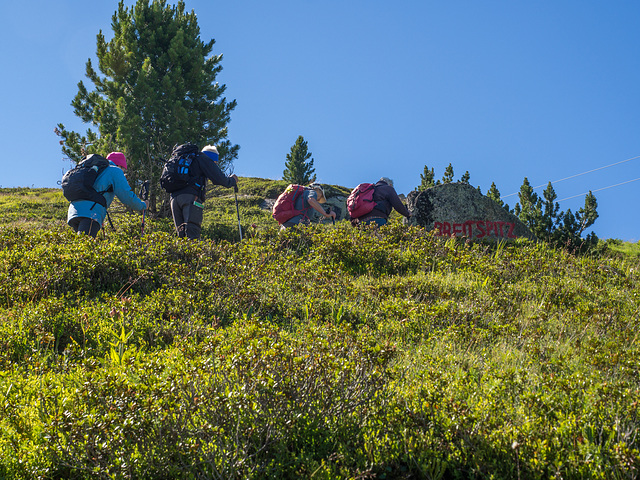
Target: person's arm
[
  {"x": 313, "y": 203},
  {"x": 123, "y": 191},
  {"x": 396, "y": 203},
  {"x": 213, "y": 173}
]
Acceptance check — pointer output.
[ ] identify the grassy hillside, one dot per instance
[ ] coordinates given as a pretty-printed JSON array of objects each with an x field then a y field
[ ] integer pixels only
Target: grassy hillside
[{"x": 319, "y": 352}]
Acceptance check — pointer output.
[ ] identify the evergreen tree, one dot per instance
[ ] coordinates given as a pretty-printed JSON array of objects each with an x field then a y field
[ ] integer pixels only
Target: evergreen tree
[
  {"x": 426, "y": 179},
  {"x": 548, "y": 223},
  {"x": 569, "y": 233},
  {"x": 588, "y": 214},
  {"x": 466, "y": 177},
  {"x": 494, "y": 194},
  {"x": 530, "y": 207},
  {"x": 299, "y": 165},
  {"x": 448, "y": 174},
  {"x": 551, "y": 215},
  {"x": 156, "y": 88}
]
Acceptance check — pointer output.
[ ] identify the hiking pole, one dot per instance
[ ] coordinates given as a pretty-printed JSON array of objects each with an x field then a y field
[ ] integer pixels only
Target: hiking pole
[
  {"x": 144, "y": 195},
  {"x": 333, "y": 220},
  {"x": 235, "y": 190},
  {"x": 110, "y": 222}
]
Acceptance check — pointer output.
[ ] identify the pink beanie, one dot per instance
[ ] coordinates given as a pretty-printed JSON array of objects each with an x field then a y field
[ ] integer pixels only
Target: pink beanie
[{"x": 118, "y": 158}]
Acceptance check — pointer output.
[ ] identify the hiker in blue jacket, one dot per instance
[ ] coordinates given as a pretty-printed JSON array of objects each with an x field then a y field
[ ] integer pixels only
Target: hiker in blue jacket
[
  {"x": 87, "y": 216},
  {"x": 386, "y": 199}
]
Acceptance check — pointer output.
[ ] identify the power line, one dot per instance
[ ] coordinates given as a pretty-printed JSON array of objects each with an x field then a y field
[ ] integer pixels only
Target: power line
[
  {"x": 599, "y": 189},
  {"x": 583, "y": 173}
]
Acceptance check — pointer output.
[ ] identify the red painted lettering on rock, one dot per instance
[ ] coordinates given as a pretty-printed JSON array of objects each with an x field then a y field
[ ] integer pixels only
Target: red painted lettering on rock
[{"x": 476, "y": 229}]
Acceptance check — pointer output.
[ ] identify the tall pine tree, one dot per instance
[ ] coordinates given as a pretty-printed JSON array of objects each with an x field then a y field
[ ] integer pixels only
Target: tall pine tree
[
  {"x": 299, "y": 165},
  {"x": 156, "y": 88}
]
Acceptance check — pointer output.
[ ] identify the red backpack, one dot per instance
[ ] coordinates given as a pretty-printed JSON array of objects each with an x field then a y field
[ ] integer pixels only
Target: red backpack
[
  {"x": 284, "y": 208},
  {"x": 360, "y": 201}
]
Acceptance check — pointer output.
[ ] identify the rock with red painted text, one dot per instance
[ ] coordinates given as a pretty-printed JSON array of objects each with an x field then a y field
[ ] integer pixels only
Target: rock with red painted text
[{"x": 458, "y": 209}]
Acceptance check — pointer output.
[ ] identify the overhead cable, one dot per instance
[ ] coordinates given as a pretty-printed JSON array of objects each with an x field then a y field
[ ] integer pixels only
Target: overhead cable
[
  {"x": 599, "y": 189},
  {"x": 583, "y": 173}
]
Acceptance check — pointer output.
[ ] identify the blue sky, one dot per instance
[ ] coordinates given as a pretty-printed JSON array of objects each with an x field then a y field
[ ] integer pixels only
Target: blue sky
[{"x": 506, "y": 90}]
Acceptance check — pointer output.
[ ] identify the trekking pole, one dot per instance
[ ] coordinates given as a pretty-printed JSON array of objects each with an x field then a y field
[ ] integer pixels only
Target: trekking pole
[
  {"x": 333, "y": 220},
  {"x": 110, "y": 222},
  {"x": 235, "y": 190},
  {"x": 144, "y": 195}
]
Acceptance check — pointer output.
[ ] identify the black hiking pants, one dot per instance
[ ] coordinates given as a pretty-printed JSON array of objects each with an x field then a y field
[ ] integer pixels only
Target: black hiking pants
[
  {"x": 187, "y": 217},
  {"x": 85, "y": 225}
]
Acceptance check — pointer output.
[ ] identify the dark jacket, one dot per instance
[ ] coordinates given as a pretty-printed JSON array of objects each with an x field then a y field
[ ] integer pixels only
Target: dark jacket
[
  {"x": 201, "y": 169},
  {"x": 386, "y": 200}
]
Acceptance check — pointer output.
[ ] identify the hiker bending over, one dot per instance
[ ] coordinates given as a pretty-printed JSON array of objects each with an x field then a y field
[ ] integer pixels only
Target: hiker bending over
[
  {"x": 385, "y": 199},
  {"x": 187, "y": 203},
  {"x": 303, "y": 199},
  {"x": 87, "y": 215}
]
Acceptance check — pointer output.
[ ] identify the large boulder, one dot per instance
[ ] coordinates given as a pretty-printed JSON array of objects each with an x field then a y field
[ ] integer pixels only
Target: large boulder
[{"x": 458, "y": 209}]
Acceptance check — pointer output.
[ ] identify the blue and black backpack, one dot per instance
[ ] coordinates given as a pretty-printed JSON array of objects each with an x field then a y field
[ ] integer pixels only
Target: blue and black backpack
[{"x": 177, "y": 173}]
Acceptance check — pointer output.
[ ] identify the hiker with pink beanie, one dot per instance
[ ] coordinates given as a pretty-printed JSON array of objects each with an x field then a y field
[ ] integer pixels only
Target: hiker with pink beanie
[{"x": 86, "y": 215}]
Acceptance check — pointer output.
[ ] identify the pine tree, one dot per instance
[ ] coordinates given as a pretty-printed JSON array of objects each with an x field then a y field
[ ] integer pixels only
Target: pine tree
[
  {"x": 156, "y": 88},
  {"x": 299, "y": 165},
  {"x": 448, "y": 174},
  {"x": 530, "y": 207},
  {"x": 494, "y": 194},
  {"x": 466, "y": 177},
  {"x": 551, "y": 215},
  {"x": 548, "y": 223},
  {"x": 426, "y": 179},
  {"x": 570, "y": 230},
  {"x": 588, "y": 214}
]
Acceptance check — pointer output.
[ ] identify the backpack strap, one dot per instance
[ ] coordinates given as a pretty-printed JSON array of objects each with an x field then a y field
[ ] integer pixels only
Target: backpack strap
[
  {"x": 304, "y": 211},
  {"x": 102, "y": 192}
]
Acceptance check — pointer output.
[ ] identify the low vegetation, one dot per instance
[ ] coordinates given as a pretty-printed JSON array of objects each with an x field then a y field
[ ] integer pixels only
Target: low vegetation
[{"x": 318, "y": 352}]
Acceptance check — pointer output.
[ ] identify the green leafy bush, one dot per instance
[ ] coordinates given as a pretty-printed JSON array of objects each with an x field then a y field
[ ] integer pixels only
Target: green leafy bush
[{"x": 316, "y": 352}]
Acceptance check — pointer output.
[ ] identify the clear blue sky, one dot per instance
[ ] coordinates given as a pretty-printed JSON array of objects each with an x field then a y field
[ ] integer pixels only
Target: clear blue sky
[{"x": 540, "y": 89}]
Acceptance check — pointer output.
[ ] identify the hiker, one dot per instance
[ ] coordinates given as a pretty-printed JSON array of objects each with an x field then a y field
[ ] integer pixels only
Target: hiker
[
  {"x": 385, "y": 199},
  {"x": 87, "y": 216},
  {"x": 187, "y": 203},
  {"x": 309, "y": 197}
]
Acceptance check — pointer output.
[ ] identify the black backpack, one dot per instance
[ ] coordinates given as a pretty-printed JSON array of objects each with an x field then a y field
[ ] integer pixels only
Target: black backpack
[
  {"x": 176, "y": 173},
  {"x": 77, "y": 183}
]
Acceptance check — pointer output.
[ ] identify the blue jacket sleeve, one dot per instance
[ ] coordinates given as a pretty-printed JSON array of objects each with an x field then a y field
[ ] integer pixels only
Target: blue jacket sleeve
[{"x": 124, "y": 192}]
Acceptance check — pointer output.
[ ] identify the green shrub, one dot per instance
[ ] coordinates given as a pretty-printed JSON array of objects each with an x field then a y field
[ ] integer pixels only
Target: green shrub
[{"x": 316, "y": 352}]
